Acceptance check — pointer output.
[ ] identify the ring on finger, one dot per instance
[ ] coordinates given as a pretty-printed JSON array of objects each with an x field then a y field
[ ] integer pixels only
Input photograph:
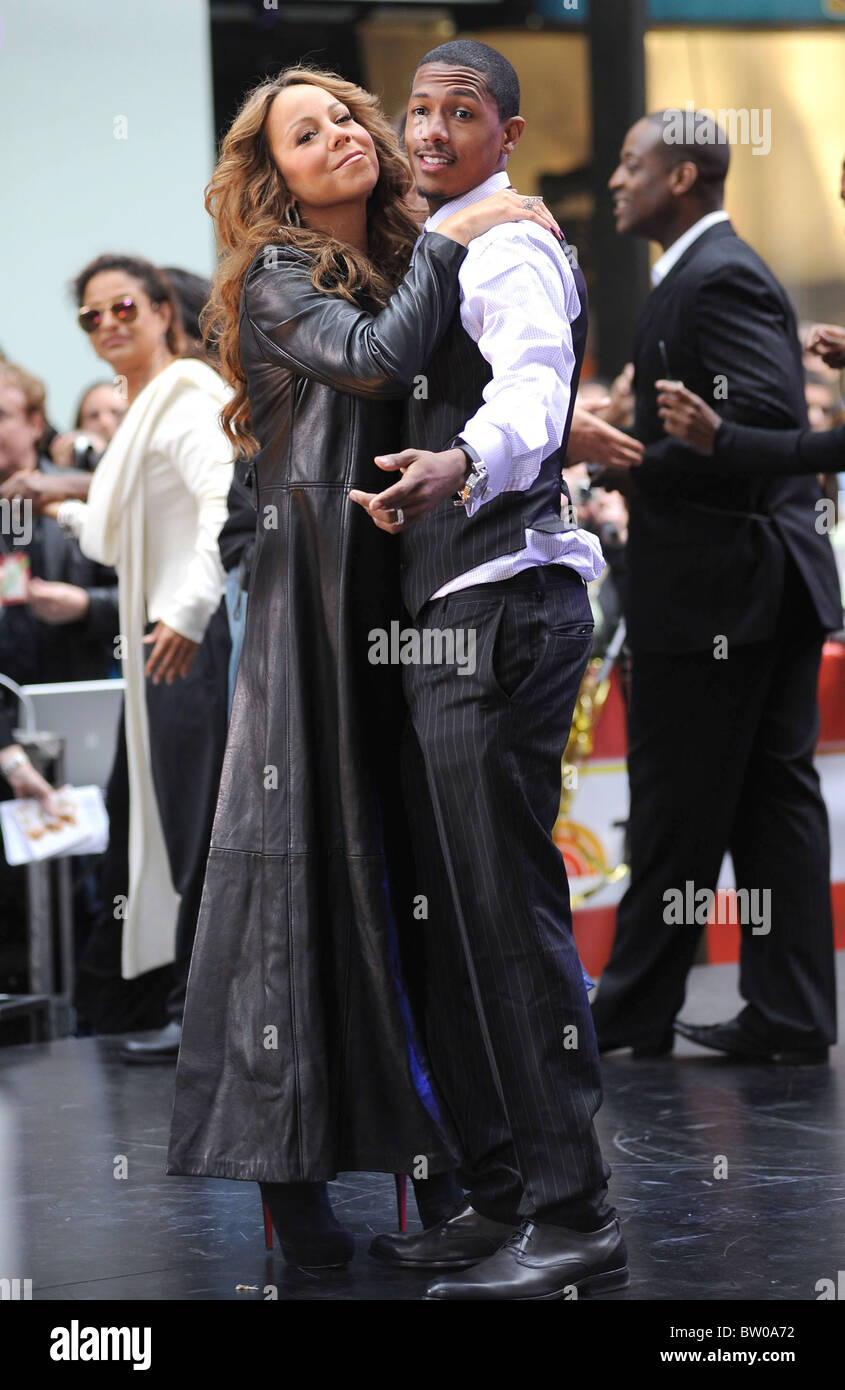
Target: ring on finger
[
  {"x": 400, "y": 516},
  {"x": 530, "y": 203}
]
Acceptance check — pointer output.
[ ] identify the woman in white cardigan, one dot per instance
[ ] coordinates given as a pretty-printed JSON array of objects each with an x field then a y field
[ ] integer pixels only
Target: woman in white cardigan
[{"x": 156, "y": 504}]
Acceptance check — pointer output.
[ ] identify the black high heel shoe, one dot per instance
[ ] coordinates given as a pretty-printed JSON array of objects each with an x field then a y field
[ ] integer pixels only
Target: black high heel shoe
[{"x": 309, "y": 1233}]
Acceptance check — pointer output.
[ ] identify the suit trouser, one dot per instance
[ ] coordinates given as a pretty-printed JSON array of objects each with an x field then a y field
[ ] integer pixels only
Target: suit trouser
[
  {"x": 721, "y": 758},
  {"x": 508, "y": 1024}
]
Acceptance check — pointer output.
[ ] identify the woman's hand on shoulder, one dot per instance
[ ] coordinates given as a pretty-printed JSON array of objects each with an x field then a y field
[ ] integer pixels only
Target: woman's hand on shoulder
[{"x": 505, "y": 206}]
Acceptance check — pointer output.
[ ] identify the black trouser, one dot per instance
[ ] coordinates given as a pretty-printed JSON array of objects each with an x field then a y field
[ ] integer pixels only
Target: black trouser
[
  {"x": 508, "y": 1025},
  {"x": 721, "y": 759},
  {"x": 187, "y": 722}
]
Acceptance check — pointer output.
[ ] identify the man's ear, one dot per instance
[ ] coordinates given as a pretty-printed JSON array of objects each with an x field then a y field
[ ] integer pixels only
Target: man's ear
[
  {"x": 511, "y": 131},
  {"x": 683, "y": 177}
]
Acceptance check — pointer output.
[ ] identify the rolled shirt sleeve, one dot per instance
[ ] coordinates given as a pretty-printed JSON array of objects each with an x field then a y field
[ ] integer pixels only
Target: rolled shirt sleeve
[{"x": 519, "y": 303}]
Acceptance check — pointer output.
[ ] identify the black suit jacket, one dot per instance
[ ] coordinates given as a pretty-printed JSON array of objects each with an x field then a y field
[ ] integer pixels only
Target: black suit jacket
[
  {"x": 707, "y": 553},
  {"x": 742, "y": 447}
]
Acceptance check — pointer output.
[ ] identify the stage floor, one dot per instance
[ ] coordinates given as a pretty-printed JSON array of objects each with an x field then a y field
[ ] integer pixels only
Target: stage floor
[{"x": 770, "y": 1229}]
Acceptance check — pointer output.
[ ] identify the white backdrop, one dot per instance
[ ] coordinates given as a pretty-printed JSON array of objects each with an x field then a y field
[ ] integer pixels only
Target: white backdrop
[{"x": 76, "y": 77}]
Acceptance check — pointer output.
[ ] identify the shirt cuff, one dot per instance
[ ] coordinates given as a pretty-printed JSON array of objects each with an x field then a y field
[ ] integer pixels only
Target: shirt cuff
[
  {"x": 71, "y": 516},
  {"x": 190, "y": 619},
  {"x": 491, "y": 445}
]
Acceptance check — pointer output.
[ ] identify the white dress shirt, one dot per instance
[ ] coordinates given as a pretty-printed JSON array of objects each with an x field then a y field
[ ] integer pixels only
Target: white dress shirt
[
  {"x": 518, "y": 302},
  {"x": 673, "y": 253}
]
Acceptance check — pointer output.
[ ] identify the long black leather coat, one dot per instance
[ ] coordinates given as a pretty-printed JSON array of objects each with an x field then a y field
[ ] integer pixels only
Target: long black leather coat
[{"x": 298, "y": 1056}]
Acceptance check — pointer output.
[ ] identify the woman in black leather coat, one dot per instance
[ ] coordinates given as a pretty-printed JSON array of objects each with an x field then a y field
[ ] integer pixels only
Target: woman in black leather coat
[{"x": 299, "y": 1057}]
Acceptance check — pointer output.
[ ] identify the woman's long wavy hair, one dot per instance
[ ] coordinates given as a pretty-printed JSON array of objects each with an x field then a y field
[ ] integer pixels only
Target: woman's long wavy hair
[{"x": 252, "y": 207}]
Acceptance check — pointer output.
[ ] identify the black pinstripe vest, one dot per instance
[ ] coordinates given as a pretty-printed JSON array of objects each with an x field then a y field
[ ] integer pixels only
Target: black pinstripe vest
[{"x": 447, "y": 543}]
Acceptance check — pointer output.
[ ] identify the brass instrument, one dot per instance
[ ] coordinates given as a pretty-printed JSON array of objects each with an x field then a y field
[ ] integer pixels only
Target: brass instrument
[{"x": 592, "y": 696}]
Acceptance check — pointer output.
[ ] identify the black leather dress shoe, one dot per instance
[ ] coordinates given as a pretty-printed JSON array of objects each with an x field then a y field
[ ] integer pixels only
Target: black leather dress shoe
[
  {"x": 659, "y": 1046},
  {"x": 543, "y": 1262},
  {"x": 733, "y": 1039},
  {"x": 462, "y": 1239},
  {"x": 159, "y": 1046}
]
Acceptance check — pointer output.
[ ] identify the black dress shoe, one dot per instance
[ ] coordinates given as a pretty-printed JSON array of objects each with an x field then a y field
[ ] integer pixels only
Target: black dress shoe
[
  {"x": 160, "y": 1046},
  {"x": 543, "y": 1262},
  {"x": 659, "y": 1046},
  {"x": 462, "y": 1239},
  {"x": 733, "y": 1039}
]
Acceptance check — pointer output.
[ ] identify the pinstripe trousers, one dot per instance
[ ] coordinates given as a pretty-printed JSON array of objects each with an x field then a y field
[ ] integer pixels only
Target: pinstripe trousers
[{"x": 508, "y": 1024}]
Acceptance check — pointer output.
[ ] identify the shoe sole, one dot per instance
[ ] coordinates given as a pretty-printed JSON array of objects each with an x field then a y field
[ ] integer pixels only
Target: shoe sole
[
  {"x": 429, "y": 1264},
  {"x": 810, "y": 1058},
  {"x": 593, "y": 1284}
]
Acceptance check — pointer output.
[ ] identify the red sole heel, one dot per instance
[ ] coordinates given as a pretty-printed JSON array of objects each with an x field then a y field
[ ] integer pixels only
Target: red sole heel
[
  {"x": 268, "y": 1227},
  {"x": 401, "y": 1182}
]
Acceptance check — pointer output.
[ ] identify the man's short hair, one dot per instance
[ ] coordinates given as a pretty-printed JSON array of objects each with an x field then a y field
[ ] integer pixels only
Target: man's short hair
[
  {"x": 499, "y": 75},
  {"x": 694, "y": 137},
  {"x": 32, "y": 390}
]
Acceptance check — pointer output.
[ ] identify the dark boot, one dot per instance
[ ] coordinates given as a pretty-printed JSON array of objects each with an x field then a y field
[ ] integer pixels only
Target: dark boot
[{"x": 309, "y": 1233}]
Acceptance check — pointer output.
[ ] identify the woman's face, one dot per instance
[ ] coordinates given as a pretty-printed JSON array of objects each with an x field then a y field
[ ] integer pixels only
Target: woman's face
[
  {"x": 102, "y": 411},
  {"x": 126, "y": 345},
  {"x": 325, "y": 157}
]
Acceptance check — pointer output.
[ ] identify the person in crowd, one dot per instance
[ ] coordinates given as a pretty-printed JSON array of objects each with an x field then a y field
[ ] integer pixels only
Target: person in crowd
[
  {"x": 310, "y": 889},
  {"x": 24, "y": 780},
  {"x": 192, "y": 295},
  {"x": 65, "y": 628},
  {"x": 156, "y": 504},
  {"x": 483, "y": 753},
  {"x": 822, "y": 404},
  {"x": 98, "y": 415},
  {"x": 63, "y": 621},
  {"x": 732, "y": 589},
  {"x": 827, "y": 340}
]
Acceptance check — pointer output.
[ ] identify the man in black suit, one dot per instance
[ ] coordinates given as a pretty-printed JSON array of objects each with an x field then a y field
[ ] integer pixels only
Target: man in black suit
[
  {"x": 509, "y": 1029},
  {"x": 732, "y": 589}
]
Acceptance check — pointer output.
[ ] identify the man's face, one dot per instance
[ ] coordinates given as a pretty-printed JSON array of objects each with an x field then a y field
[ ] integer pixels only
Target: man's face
[
  {"x": 20, "y": 431},
  {"x": 453, "y": 133},
  {"x": 642, "y": 195}
]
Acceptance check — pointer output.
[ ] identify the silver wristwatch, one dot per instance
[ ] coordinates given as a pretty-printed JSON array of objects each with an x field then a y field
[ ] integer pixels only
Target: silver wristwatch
[{"x": 475, "y": 483}]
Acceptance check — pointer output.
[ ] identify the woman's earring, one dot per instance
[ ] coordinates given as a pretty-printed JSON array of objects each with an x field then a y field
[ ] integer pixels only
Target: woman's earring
[{"x": 291, "y": 216}]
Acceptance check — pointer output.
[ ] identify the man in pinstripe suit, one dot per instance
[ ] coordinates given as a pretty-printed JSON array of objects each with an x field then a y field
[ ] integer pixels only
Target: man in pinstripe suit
[{"x": 509, "y": 1029}]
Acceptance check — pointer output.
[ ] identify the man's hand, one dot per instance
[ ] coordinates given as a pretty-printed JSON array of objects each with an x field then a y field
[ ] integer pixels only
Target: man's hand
[
  {"x": 686, "y": 415},
  {"x": 591, "y": 440},
  {"x": 171, "y": 654},
  {"x": 41, "y": 489},
  {"x": 827, "y": 341},
  {"x": 426, "y": 479},
  {"x": 622, "y": 405},
  {"x": 54, "y": 602}
]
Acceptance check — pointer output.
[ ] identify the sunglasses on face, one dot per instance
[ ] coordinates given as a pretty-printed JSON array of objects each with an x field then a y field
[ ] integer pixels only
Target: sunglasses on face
[{"x": 124, "y": 310}]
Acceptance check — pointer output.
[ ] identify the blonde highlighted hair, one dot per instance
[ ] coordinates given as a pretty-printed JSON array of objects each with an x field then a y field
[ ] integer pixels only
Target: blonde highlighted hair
[{"x": 252, "y": 207}]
